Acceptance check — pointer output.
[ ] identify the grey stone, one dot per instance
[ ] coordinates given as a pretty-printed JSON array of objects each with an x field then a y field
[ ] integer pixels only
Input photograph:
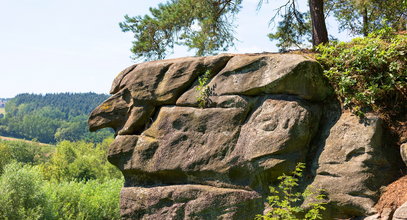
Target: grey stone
[
  {"x": 401, "y": 212},
  {"x": 403, "y": 152},
  {"x": 352, "y": 166},
  {"x": 269, "y": 74},
  {"x": 188, "y": 202}
]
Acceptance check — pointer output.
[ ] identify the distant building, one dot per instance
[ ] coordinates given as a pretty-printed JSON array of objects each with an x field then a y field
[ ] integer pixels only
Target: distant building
[{"x": 2, "y": 104}]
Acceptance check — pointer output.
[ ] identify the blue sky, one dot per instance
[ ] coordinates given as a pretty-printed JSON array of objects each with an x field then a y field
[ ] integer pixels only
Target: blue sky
[{"x": 49, "y": 46}]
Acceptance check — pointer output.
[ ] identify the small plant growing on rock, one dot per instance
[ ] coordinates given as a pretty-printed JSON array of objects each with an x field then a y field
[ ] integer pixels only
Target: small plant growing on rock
[
  {"x": 203, "y": 90},
  {"x": 284, "y": 201}
]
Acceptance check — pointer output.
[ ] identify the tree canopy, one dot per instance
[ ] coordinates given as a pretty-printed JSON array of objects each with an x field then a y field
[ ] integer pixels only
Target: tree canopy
[
  {"x": 362, "y": 17},
  {"x": 203, "y": 25},
  {"x": 207, "y": 26}
]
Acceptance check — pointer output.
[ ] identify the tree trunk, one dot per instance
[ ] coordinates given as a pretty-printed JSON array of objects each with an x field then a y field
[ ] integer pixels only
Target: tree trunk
[
  {"x": 365, "y": 22},
  {"x": 319, "y": 32}
]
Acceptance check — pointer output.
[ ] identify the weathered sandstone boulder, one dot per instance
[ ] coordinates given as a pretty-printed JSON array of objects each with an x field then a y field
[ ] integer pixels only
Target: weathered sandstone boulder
[
  {"x": 189, "y": 202},
  {"x": 352, "y": 166},
  {"x": 403, "y": 152},
  {"x": 265, "y": 113},
  {"x": 401, "y": 213}
]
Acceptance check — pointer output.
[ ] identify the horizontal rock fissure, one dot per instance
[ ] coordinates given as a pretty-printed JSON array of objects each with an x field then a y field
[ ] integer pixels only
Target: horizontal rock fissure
[
  {"x": 194, "y": 184},
  {"x": 148, "y": 180},
  {"x": 328, "y": 174},
  {"x": 358, "y": 194},
  {"x": 277, "y": 96}
]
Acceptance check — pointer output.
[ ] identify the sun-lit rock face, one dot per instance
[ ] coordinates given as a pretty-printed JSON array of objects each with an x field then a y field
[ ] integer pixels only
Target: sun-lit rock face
[{"x": 264, "y": 114}]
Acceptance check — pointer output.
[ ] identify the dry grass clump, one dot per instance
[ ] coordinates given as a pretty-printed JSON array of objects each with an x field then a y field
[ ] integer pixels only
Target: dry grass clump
[{"x": 393, "y": 196}]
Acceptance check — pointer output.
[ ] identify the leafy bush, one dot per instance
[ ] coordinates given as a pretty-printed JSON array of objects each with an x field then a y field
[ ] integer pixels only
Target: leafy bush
[
  {"x": 78, "y": 161},
  {"x": 203, "y": 90},
  {"x": 74, "y": 182},
  {"x": 368, "y": 73},
  {"x": 25, "y": 194},
  {"x": 85, "y": 200},
  {"x": 285, "y": 202},
  {"x": 23, "y": 152},
  {"x": 22, "y": 195},
  {"x": 5, "y": 156}
]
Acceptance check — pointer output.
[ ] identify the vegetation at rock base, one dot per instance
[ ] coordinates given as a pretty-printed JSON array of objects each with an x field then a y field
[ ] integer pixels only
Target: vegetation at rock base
[
  {"x": 285, "y": 202},
  {"x": 71, "y": 180},
  {"x": 79, "y": 161},
  {"x": 93, "y": 199},
  {"x": 368, "y": 74},
  {"x": 52, "y": 117}
]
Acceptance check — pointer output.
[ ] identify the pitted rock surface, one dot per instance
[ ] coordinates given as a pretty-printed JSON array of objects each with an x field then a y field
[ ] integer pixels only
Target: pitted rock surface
[
  {"x": 265, "y": 113},
  {"x": 189, "y": 202},
  {"x": 352, "y": 166}
]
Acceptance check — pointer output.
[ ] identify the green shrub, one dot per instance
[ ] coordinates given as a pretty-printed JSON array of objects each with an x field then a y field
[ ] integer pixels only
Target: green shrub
[
  {"x": 22, "y": 195},
  {"x": 25, "y": 194},
  {"x": 85, "y": 200},
  {"x": 5, "y": 156},
  {"x": 368, "y": 74},
  {"x": 40, "y": 187},
  {"x": 285, "y": 203},
  {"x": 80, "y": 161},
  {"x": 203, "y": 90},
  {"x": 25, "y": 152}
]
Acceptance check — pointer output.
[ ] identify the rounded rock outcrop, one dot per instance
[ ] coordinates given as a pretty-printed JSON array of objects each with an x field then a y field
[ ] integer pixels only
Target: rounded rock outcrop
[{"x": 264, "y": 114}]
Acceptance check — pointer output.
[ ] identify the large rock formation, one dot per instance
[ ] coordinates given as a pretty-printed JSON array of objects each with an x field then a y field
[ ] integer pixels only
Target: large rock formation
[
  {"x": 351, "y": 166},
  {"x": 265, "y": 113}
]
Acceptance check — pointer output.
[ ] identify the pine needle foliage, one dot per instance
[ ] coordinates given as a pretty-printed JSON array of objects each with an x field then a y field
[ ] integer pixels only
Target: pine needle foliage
[{"x": 202, "y": 25}]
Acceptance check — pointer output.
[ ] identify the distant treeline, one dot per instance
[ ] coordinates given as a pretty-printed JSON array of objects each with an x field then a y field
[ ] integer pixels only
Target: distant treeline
[
  {"x": 2, "y": 102},
  {"x": 52, "y": 118},
  {"x": 4, "y": 99}
]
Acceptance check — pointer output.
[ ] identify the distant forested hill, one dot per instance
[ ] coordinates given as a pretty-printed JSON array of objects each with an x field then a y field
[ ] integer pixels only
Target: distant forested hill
[{"x": 52, "y": 117}]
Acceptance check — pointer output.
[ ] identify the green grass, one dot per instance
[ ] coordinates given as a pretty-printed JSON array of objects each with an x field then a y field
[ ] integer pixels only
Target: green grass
[
  {"x": 2, "y": 111},
  {"x": 2, "y": 138}
]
